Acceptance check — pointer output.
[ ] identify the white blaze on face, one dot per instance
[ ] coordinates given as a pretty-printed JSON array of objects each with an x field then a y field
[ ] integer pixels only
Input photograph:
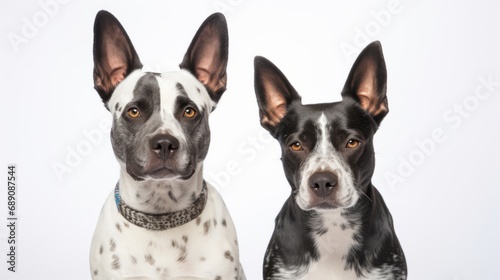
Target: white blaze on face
[
  {"x": 162, "y": 118},
  {"x": 325, "y": 158},
  {"x": 169, "y": 93}
]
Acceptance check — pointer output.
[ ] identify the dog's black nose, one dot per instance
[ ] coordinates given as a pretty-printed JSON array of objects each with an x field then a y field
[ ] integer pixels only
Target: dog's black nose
[
  {"x": 323, "y": 183},
  {"x": 164, "y": 145}
]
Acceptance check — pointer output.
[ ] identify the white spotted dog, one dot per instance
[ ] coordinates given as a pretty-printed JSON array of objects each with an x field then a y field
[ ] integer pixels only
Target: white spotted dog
[
  {"x": 162, "y": 221},
  {"x": 335, "y": 224}
]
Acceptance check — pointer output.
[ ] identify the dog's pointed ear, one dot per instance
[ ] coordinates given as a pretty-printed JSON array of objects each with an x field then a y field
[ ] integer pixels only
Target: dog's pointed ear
[
  {"x": 274, "y": 93},
  {"x": 367, "y": 82},
  {"x": 206, "y": 57},
  {"x": 114, "y": 54}
]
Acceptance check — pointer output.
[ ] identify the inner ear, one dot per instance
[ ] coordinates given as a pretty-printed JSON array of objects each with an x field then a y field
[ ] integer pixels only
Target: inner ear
[
  {"x": 209, "y": 66},
  {"x": 114, "y": 54},
  {"x": 274, "y": 93},
  {"x": 367, "y": 82},
  {"x": 207, "y": 55},
  {"x": 366, "y": 85},
  {"x": 273, "y": 109}
]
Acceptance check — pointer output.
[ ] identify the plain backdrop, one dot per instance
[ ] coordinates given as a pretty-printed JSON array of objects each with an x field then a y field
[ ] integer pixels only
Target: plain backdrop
[{"x": 437, "y": 150}]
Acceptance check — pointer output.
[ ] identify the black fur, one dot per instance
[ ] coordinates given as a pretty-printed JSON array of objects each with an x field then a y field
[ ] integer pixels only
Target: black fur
[{"x": 292, "y": 246}]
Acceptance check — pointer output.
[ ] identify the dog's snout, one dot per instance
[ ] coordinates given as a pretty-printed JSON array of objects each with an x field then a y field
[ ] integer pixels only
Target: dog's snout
[
  {"x": 323, "y": 183},
  {"x": 164, "y": 145}
]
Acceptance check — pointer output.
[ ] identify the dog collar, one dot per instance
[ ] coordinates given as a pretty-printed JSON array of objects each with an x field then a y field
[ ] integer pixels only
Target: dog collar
[{"x": 161, "y": 221}]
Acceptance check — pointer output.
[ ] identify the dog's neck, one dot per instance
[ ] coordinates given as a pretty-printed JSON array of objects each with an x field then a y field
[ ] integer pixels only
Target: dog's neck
[{"x": 160, "y": 196}]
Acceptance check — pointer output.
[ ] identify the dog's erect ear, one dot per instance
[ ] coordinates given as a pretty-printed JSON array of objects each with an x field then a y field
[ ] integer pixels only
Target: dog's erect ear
[
  {"x": 114, "y": 54},
  {"x": 206, "y": 57},
  {"x": 367, "y": 82},
  {"x": 274, "y": 93}
]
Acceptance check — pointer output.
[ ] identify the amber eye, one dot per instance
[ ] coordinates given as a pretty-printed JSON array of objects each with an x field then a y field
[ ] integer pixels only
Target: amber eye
[
  {"x": 296, "y": 147},
  {"x": 133, "y": 113},
  {"x": 189, "y": 112},
  {"x": 351, "y": 144}
]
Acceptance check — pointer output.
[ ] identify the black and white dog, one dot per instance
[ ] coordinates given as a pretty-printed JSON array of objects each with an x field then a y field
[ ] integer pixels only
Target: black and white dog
[
  {"x": 162, "y": 221},
  {"x": 335, "y": 224}
]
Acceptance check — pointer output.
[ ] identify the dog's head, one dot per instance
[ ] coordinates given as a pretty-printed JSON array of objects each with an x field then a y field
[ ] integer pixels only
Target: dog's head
[
  {"x": 160, "y": 121},
  {"x": 327, "y": 149}
]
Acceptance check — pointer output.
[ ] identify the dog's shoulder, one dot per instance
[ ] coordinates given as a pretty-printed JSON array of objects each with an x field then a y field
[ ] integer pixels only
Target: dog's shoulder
[
  {"x": 380, "y": 252},
  {"x": 292, "y": 243}
]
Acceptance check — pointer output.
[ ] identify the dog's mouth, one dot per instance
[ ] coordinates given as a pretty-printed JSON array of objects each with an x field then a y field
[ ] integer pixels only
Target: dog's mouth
[
  {"x": 167, "y": 173},
  {"x": 160, "y": 171},
  {"x": 323, "y": 203},
  {"x": 327, "y": 205}
]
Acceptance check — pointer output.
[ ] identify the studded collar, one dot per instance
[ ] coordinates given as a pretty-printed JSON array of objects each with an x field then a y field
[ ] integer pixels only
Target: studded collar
[{"x": 161, "y": 221}]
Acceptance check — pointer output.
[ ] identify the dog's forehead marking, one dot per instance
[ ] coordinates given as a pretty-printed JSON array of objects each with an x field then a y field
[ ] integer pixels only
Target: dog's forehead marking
[
  {"x": 324, "y": 146},
  {"x": 173, "y": 84}
]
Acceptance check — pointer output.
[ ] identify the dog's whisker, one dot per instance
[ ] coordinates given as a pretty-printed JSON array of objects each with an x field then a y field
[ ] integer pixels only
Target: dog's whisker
[{"x": 364, "y": 194}]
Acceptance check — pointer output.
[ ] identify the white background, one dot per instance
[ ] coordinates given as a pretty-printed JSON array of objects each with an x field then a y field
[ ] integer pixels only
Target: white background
[{"x": 443, "y": 192}]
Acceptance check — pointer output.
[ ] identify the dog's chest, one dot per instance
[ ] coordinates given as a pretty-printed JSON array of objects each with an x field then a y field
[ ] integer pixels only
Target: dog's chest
[
  {"x": 205, "y": 247},
  {"x": 334, "y": 239}
]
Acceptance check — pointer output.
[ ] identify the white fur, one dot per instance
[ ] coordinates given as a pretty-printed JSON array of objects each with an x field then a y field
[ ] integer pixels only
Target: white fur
[{"x": 135, "y": 248}]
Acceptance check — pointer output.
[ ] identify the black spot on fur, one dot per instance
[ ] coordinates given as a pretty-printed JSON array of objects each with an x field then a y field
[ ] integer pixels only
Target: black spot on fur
[
  {"x": 115, "y": 265},
  {"x": 118, "y": 227},
  {"x": 180, "y": 89},
  {"x": 228, "y": 256},
  {"x": 224, "y": 223},
  {"x": 101, "y": 249},
  {"x": 206, "y": 227},
  {"x": 149, "y": 259},
  {"x": 322, "y": 231},
  {"x": 172, "y": 197},
  {"x": 133, "y": 259},
  {"x": 96, "y": 272},
  {"x": 183, "y": 254},
  {"x": 112, "y": 245}
]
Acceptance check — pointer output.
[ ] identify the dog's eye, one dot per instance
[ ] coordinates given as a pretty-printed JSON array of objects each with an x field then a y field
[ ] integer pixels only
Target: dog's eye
[
  {"x": 189, "y": 112},
  {"x": 351, "y": 144},
  {"x": 296, "y": 147},
  {"x": 133, "y": 113}
]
